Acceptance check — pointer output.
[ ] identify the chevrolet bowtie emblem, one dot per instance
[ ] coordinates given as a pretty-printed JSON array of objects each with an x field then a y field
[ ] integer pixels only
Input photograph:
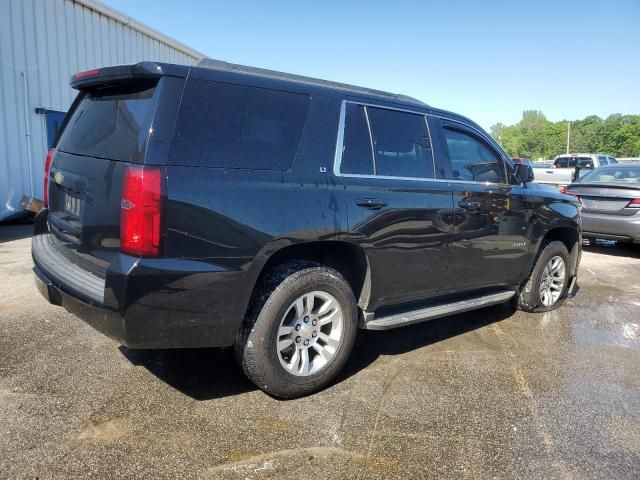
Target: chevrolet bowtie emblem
[{"x": 58, "y": 177}]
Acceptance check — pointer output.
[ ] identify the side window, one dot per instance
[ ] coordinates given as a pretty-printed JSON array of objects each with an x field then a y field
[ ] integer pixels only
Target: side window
[
  {"x": 573, "y": 161},
  {"x": 562, "y": 162},
  {"x": 237, "y": 126},
  {"x": 602, "y": 161},
  {"x": 357, "y": 157},
  {"x": 401, "y": 144},
  {"x": 583, "y": 162},
  {"x": 471, "y": 159},
  {"x": 612, "y": 160}
]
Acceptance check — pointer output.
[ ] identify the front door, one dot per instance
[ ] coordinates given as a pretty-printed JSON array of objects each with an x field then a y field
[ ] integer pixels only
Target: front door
[{"x": 491, "y": 217}]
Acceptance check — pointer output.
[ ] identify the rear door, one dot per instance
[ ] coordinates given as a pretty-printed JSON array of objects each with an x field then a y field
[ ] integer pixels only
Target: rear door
[
  {"x": 490, "y": 234},
  {"x": 398, "y": 212}
]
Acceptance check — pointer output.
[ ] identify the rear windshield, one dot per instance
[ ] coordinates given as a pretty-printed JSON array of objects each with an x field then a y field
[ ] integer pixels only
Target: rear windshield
[
  {"x": 111, "y": 123},
  {"x": 237, "y": 126},
  {"x": 613, "y": 175}
]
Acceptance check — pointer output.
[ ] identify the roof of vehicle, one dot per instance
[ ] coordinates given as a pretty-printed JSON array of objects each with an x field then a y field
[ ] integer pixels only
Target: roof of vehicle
[
  {"x": 211, "y": 63},
  {"x": 582, "y": 155}
]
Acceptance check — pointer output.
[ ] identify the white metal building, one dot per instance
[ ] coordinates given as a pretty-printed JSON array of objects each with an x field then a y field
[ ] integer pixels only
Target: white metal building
[{"x": 43, "y": 43}]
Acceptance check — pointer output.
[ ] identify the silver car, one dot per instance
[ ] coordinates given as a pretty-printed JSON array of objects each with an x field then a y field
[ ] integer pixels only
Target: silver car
[{"x": 610, "y": 198}]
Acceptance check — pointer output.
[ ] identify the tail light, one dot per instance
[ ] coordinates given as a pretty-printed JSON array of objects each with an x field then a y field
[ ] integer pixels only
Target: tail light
[
  {"x": 635, "y": 203},
  {"x": 47, "y": 168},
  {"x": 140, "y": 211}
]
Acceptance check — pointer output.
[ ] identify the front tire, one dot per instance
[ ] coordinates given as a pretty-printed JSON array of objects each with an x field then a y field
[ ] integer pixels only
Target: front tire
[
  {"x": 547, "y": 286},
  {"x": 299, "y": 331}
]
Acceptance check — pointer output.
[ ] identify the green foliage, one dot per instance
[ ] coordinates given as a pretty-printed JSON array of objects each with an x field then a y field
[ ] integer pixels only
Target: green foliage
[{"x": 536, "y": 137}]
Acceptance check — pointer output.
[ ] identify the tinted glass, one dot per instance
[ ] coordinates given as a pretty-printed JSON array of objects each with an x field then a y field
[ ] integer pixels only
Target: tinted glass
[
  {"x": 613, "y": 175},
  {"x": 564, "y": 162},
  {"x": 357, "y": 157},
  {"x": 471, "y": 159},
  {"x": 602, "y": 161},
  {"x": 612, "y": 160},
  {"x": 401, "y": 144},
  {"x": 111, "y": 123},
  {"x": 235, "y": 126}
]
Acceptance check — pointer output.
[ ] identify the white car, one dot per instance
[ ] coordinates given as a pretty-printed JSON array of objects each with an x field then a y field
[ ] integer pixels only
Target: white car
[{"x": 562, "y": 171}]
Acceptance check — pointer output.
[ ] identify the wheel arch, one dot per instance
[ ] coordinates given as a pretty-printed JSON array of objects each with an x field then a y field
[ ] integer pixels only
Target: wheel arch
[
  {"x": 571, "y": 238},
  {"x": 347, "y": 258}
]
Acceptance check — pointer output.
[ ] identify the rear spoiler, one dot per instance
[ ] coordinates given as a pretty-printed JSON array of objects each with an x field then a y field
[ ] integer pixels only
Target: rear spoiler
[{"x": 99, "y": 76}]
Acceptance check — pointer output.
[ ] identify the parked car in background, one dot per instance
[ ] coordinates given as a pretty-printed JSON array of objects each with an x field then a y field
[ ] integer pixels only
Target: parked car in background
[
  {"x": 222, "y": 205},
  {"x": 610, "y": 198},
  {"x": 567, "y": 167}
]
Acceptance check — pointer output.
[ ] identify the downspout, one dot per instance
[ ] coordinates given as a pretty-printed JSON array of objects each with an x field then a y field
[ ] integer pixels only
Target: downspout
[{"x": 27, "y": 131}]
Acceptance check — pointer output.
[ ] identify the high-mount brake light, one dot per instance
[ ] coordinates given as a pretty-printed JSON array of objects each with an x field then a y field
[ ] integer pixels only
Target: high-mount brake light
[
  {"x": 86, "y": 73},
  {"x": 140, "y": 211}
]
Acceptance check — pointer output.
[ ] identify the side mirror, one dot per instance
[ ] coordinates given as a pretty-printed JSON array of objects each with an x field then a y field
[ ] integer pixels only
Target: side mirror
[{"x": 522, "y": 173}]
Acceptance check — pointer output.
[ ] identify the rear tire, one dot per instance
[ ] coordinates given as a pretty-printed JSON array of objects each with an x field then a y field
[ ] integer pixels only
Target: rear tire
[
  {"x": 299, "y": 330},
  {"x": 547, "y": 286}
]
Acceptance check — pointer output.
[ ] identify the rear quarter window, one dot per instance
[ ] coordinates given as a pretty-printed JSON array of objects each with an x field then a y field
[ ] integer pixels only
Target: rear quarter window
[{"x": 237, "y": 126}]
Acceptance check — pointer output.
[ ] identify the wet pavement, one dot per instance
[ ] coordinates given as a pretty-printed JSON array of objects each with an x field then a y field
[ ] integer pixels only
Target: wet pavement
[{"x": 485, "y": 394}]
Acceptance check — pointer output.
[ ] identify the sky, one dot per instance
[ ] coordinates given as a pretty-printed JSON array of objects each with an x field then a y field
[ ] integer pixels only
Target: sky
[{"x": 488, "y": 60}]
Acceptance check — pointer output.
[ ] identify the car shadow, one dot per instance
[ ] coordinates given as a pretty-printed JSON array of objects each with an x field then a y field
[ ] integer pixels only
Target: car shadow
[
  {"x": 12, "y": 231},
  {"x": 608, "y": 247},
  {"x": 372, "y": 344},
  {"x": 200, "y": 373},
  {"x": 210, "y": 373}
]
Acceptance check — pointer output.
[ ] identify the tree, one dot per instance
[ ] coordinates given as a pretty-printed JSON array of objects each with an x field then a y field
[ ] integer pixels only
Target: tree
[{"x": 536, "y": 137}]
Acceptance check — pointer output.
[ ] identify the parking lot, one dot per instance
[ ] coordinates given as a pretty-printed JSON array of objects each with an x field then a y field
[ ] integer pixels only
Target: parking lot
[{"x": 485, "y": 394}]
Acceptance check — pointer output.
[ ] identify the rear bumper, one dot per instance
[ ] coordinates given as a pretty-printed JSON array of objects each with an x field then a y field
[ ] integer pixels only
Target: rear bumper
[
  {"x": 151, "y": 303},
  {"x": 614, "y": 227}
]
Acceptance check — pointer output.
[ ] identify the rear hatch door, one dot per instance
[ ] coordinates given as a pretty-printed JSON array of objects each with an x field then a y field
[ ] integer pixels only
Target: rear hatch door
[{"x": 117, "y": 120}]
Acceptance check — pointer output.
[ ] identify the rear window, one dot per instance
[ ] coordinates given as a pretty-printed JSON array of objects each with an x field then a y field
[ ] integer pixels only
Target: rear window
[
  {"x": 236, "y": 126},
  {"x": 111, "y": 123},
  {"x": 613, "y": 175}
]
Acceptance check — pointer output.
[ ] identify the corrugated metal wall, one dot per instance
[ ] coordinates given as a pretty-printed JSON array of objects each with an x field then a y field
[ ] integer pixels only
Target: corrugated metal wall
[{"x": 42, "y": 43}]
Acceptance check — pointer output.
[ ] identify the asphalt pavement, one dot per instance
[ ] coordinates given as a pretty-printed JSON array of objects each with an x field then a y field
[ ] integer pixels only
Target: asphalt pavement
[{"x": 485, "y": 394}]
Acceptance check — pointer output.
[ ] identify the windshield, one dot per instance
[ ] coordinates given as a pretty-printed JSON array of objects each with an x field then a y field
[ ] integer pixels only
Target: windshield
[{"x": 613, "y": 175}]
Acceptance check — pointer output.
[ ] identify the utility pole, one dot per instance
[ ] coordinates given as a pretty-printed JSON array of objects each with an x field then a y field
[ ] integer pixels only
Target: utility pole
[{"x": 568, "y": 135}]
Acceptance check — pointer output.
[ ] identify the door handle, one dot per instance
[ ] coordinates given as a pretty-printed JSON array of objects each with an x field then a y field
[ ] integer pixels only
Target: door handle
[
  {"x": 371, "y": 203},
  {"x": 550, "y": 171},
  {"x": 469, "y": 204}
]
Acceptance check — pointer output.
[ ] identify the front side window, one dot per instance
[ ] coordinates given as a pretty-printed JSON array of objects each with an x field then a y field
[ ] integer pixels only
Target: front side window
[
  {"x": 562, "y": 162},
  {"x": 471, "y": 159}
]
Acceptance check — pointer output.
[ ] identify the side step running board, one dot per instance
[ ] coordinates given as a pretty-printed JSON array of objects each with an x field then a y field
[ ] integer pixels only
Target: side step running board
[{"x": 436, "y": 311}]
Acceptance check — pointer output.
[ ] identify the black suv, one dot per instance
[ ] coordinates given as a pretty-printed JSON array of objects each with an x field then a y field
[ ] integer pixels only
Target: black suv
[{"x": 223, "y": 205}]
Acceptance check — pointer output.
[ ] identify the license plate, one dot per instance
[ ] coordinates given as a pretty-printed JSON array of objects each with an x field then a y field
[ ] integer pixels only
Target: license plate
[{"x": 71, "y": 205}]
